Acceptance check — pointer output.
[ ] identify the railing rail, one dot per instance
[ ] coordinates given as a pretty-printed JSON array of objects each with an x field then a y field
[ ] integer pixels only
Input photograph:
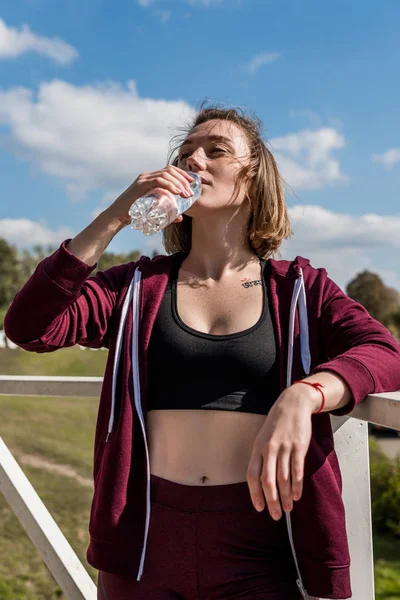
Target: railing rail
[
  {"x": 351, "y": 445},
  {"x": 381, "y": 409}
]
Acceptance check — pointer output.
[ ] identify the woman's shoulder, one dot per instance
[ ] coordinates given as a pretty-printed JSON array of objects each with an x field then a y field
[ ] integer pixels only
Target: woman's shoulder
[
  {"x": 292, "y": 268},
  {"x": 147, "y": 263},
  {"x": 315, "y": 278},
  {"x": 160, "y": 263}
]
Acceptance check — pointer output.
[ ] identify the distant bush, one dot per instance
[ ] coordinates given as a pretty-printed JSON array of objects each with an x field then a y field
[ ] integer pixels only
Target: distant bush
[{"x": 385, "y": 491}]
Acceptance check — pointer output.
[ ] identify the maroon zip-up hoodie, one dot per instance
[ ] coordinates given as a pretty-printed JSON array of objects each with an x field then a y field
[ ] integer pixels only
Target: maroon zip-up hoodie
[{"x": 61, "y": 305}]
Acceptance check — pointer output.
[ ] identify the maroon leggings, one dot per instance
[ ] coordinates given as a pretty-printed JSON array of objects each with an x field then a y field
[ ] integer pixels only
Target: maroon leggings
[{"x": 208, "y": 543}]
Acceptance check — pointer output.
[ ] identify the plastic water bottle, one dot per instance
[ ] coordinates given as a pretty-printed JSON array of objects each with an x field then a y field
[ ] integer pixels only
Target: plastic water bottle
[{"x": 152, "y": 212}]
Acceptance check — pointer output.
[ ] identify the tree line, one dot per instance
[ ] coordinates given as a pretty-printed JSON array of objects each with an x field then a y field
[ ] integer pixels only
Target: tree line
[{"x": 16, "y": 266}]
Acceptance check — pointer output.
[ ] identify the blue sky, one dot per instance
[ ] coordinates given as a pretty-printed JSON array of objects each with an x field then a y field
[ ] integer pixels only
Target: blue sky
[{"x": 92, "y": 91}]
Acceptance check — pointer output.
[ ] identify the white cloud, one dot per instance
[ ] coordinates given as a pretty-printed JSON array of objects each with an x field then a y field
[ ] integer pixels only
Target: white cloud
[
  {"x": 388, "y": 158},
  {"x": 258, "y": 61},
  {"x": 145, "y": 3},
  {"x": 93, "y": 137},
  {"x": 333, "y": 229},
  {"x": 102, "y": 136},
  {"x": 342, "y": 243},
  {"x": 25, "y": 233},
  {"x": 14, "y": 42},
  {"x": 306, "y": 158}
]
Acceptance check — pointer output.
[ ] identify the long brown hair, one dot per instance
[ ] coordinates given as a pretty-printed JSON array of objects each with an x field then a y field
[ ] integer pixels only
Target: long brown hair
[{"x": 269, "y": 222}]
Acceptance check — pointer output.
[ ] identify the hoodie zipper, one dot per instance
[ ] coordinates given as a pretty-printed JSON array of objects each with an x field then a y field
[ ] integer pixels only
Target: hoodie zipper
[{"x": 138, "y": 404}]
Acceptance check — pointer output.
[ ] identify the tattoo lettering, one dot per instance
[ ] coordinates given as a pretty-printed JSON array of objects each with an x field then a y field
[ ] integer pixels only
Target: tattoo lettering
[{"x": 246, "y": 283}]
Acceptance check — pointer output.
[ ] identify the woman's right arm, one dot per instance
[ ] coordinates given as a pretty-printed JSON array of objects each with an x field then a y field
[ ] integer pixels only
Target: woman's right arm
[
  {"x": 59, "y": 305},
  {"x": 90, "y": 244}
]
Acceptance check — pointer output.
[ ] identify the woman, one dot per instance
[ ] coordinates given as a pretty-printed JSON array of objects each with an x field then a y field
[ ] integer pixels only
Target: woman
[{"x": 213, "y": 439}]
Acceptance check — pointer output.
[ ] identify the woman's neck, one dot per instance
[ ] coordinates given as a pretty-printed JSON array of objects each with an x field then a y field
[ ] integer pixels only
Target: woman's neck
[{"x": 219, "y": 246}]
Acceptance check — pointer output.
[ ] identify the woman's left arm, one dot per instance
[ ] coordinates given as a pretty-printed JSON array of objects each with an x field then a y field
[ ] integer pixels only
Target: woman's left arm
[
  {"x": 362, "y": 358},
  {"x": 359, "y": 349}
]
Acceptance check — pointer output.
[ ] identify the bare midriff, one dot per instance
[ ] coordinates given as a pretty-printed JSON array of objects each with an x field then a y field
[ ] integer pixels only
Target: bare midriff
[{"x": 201, "y": 447}]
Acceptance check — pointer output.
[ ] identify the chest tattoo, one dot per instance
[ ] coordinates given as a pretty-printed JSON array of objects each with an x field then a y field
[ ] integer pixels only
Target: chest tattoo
[{"x": 247, "y": 283}]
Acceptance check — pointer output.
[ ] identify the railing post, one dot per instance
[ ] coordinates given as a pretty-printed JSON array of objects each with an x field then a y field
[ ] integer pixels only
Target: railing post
[
  {"x": 352, "y": 449},
  {"x": 44, "y": 532}
]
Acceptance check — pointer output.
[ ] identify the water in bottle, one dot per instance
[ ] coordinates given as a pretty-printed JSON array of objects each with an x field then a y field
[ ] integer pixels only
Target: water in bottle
[{"x": 151, "y": 213}]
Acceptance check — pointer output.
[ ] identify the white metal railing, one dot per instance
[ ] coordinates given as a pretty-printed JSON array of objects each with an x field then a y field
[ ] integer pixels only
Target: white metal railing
[{"x": 351, "y": 445}]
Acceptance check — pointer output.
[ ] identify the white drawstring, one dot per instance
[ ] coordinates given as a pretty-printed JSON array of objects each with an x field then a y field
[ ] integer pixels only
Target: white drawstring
[
  {"x": 298, "y": 299},
  {"x": 117, "y": 356},
  {"x": 304, "y": 333},
  {"x": 138, "y": 405},
  {"x": 293, "y": 306},
  {"x": 132, "y": 295}
]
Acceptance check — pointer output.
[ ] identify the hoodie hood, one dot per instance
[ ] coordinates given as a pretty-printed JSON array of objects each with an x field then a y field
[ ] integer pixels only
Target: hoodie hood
[{"x": 289, "y": 269}]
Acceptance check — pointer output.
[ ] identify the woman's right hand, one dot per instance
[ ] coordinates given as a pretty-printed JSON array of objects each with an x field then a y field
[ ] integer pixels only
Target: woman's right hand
[{"x": 170, "y": 181}]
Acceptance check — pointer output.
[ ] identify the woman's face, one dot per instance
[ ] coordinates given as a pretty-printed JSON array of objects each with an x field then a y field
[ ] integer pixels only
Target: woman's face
[{"x": 215, "y": 150}]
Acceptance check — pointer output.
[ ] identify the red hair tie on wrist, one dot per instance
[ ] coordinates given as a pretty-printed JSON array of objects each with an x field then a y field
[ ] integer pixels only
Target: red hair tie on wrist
[{"x": 318, "y": 387}]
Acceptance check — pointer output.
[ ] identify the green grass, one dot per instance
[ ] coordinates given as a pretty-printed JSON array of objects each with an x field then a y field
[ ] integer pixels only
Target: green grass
[
  {"x": 23, "y": 575},
  {"x": 61, "y": 430},
  {"x": 68, "y": 361},
  {"x": 387, "y": 568},
  {"x": 58, "y": 430}
]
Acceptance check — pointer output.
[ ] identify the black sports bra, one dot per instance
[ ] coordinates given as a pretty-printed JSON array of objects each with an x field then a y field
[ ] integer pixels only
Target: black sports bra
[{"x": 189, "y": 369}]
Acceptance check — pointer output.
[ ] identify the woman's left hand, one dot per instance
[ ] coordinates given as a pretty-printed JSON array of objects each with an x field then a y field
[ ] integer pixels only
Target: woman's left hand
[{"x": 276, "y": 467}]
